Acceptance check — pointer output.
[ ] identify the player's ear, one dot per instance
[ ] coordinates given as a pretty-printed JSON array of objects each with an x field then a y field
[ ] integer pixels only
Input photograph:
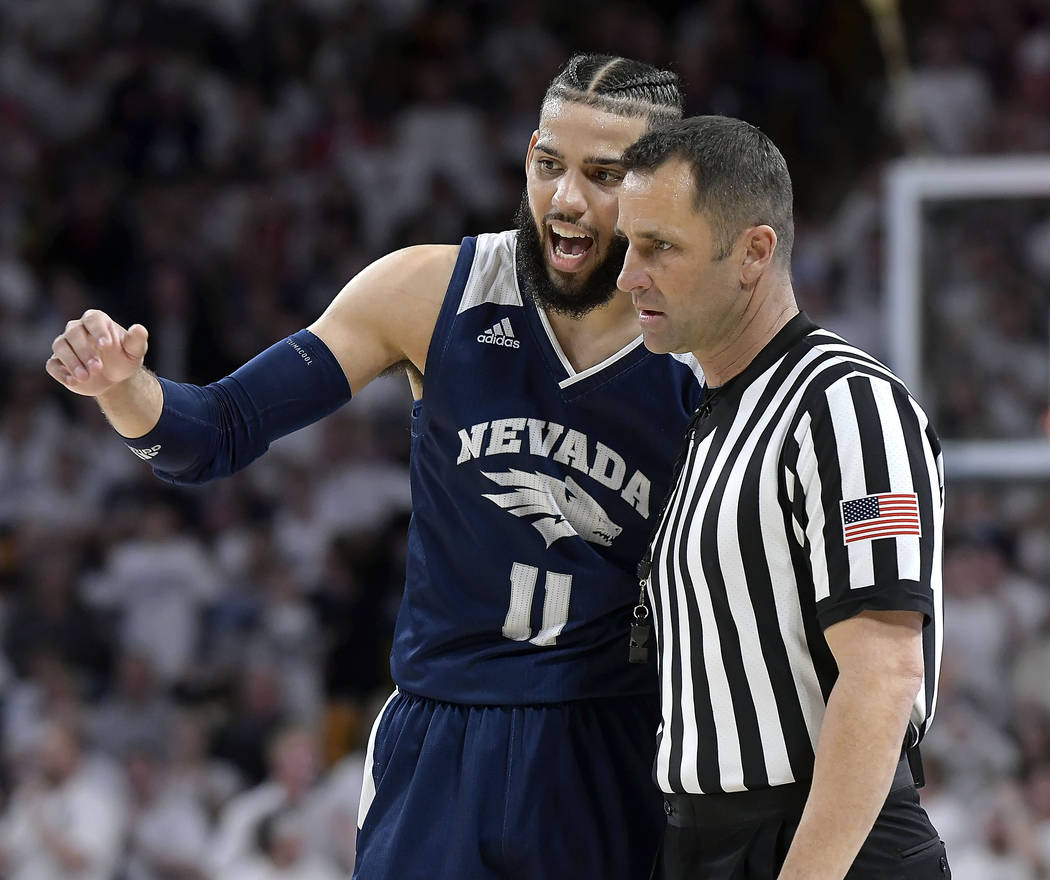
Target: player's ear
[{"x": 532, "y": 146}]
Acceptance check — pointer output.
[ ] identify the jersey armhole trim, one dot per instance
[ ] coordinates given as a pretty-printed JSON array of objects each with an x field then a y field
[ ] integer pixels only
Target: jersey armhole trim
[{"x": 441, "y": 337}]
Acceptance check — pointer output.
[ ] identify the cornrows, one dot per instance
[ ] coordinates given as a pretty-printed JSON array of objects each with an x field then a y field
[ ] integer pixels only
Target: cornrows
[{"x": 618, "y": 85}]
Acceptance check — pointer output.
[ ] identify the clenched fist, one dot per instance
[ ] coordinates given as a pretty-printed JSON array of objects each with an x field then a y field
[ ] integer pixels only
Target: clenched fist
[{"x": 95, "y": 353}]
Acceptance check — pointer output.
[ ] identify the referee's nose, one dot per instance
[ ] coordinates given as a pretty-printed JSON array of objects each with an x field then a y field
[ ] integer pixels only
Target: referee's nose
[{"x": 633, "y": 276}]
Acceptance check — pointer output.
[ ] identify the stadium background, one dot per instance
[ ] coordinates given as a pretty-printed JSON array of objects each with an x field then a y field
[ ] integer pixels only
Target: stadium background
[{"x": 217, "y": 169}]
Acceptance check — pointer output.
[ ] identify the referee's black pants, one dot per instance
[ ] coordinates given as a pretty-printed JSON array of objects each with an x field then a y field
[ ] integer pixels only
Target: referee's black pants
[{"x": 746, "y": 835}]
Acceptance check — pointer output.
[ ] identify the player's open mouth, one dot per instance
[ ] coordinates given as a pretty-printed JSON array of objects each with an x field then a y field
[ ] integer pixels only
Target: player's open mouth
[{"x": 569, "y": 246}]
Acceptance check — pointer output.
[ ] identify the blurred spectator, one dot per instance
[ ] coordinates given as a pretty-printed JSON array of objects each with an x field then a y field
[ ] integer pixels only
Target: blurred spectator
[
  {"x": 1037, "y": 797},
  {"x": 295, "y": 530},
  {"x": 292, "y": 784},
  {"x": 342, "y": 795},
  {"x": 168, "y": 828},
  {"x": 49, "y": 616},
  {"x": 185, "y": 325},
  {"x": 948, "y": 807},
  {"x": 91, "y": 236},
  {"x": 137, "y": 711},
  {"x": 1024, "y": 120},
  {"x": 202, "y": 779},
  {"x": 348, "y": 601},
  {"x": 288, "y": 635},
  {"x": 32, "y": 427},
  {"x": 973, "y": 747},
  {"x": 61, "y": 821},
  {"x": 444, "y": 124},
  {"x": 158, "y": 581},
  {"x": 357, "y": 469},
  {"x": 260, "y": 712},
  {"x": 281, "y": 853},
  {"x": 1030, "y": 681},
  {"x": 983, "y": 627},
  {"x": 951, "y": 97},
  {"x": 48, "y": 691},
  {"x": 1003, "y": 846}
]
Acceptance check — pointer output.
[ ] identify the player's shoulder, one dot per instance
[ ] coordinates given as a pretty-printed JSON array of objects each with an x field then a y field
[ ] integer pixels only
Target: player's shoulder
[
  {"x": 424, "y": 266},
  {"x": 433, "y": 267},
  {"x": 410, "y": 279},
  {"x": 387, "y": 312}
]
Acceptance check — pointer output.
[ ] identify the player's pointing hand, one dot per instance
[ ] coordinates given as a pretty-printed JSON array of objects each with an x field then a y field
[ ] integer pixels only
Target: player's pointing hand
[{"x": 94, "y": 353}]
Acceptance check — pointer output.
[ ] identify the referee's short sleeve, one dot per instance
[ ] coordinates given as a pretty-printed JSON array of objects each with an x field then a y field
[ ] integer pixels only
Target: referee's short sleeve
[{"x": 868, "y": 484}]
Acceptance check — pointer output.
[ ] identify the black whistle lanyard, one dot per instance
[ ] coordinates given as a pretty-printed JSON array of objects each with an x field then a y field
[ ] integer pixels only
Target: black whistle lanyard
[{"x": 641, "y": 625}]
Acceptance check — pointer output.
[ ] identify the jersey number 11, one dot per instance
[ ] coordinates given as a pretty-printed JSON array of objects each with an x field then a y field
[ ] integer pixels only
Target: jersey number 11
[{"x": 557, "y": 588}]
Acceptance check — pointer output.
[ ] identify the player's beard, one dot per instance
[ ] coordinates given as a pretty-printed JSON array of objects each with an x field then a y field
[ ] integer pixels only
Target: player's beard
[{"x": 573, "y": 297}]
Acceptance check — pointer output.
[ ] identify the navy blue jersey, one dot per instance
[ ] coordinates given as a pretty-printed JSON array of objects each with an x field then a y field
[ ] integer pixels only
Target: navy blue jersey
[{"x": 534, "y": 490}]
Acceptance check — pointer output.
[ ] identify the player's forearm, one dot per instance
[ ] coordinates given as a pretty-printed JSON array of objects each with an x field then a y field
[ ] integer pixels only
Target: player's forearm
[
  {"x": 133, "y": 407},
  {"x": 860, "y": 745},
  {"x": 191, "y": 433}
]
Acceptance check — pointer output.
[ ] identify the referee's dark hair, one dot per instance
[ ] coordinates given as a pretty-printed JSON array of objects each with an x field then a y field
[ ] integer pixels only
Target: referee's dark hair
[
  {"x": 740, "y": 179},
  {"x": 618, "y": 85}
]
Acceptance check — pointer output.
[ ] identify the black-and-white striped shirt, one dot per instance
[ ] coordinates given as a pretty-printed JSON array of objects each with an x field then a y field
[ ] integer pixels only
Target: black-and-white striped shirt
[{"x": 811, "y": 490}]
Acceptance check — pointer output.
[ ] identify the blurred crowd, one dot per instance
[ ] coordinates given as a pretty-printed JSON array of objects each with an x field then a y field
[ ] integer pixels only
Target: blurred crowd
[{"x": 187, "y": 677}]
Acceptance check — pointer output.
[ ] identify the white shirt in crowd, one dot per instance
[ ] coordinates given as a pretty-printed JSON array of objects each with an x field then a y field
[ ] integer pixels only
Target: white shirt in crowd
[{"x": 81, "y": 810}]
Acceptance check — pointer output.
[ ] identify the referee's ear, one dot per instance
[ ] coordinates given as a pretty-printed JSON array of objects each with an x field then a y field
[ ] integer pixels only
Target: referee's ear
[{"x": 759, "y": 244}]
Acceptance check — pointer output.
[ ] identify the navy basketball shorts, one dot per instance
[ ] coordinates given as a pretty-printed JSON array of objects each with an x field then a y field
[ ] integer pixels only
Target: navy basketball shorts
[{"x": 559, "y": 792}]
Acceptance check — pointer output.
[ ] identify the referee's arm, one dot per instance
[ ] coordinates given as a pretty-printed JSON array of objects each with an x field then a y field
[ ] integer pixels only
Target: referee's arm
[
  {"x": 874, "y": 590},
  {"x": 879, "y": 655}
]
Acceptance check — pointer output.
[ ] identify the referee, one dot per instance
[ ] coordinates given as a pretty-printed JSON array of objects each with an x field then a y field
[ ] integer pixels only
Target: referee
[{"x": 795, "y": 572}]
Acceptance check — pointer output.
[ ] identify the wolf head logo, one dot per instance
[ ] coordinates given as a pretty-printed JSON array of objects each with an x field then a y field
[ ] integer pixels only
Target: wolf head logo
[{"x": 563, "y": 508}]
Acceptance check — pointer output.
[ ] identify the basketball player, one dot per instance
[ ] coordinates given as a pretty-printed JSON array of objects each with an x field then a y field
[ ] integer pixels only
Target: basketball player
[{"x": 519, "y": 741}]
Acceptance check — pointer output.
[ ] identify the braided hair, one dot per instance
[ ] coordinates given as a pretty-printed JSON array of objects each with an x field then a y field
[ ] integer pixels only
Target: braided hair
[{"x": 618, "y": 85}]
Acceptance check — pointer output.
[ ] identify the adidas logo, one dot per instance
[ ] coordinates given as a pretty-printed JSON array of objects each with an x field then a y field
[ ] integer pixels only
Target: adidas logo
[
  {"x": 147, "y": 453},
  {"x": 500, "y": 333}
]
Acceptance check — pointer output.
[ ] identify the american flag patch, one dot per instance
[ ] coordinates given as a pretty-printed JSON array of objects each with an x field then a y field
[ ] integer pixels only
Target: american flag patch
[{"x": 886, "y": 515}]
